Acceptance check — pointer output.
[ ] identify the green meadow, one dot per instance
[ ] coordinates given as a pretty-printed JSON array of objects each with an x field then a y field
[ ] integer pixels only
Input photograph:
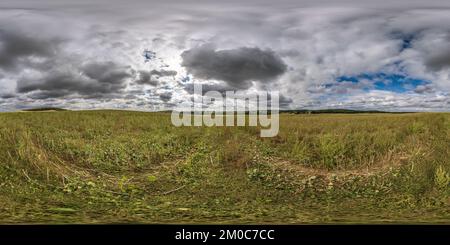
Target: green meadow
[{"x": 135, "y": 167}]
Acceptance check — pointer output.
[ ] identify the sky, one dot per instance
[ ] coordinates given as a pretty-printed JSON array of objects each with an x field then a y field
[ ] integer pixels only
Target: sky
[{"x": 146, "y": 55}]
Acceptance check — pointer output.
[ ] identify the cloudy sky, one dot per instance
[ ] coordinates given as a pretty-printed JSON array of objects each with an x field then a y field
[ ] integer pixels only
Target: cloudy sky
[{"x": 146, "y": 55}]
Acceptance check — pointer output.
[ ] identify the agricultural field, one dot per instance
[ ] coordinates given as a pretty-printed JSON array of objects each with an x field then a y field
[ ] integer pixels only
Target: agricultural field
[{"x": 135, "y": 167}]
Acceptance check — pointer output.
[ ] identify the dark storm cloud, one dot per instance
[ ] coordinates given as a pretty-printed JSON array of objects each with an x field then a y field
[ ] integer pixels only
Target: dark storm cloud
[
  {"x": 93, "y": 80},
  {"x": 145, "y": 77},
  {"x": 7, "y": 96},
  {"x": 15, "y": 45},
  {"x": 163, "y": 73},
  {"x": 285, "y": 101},
  {"x": 107, "y": 72},
  {"x": 151, "y": 77},
  {"x": 422, "y": 89},
  {"x": 52, "y": 82},
  {"x": 167, "y": 96},
  {"x": 43, "y": 95},
  {"x": 19, "y": 50},
  {"x": 439, "y": 61},
  {"x": 238, "y": 67},
  {"x": 220, "y": 87}
]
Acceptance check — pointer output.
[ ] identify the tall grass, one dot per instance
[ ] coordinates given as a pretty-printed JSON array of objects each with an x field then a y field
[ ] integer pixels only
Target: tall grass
[{"x": 123, "y": 163}]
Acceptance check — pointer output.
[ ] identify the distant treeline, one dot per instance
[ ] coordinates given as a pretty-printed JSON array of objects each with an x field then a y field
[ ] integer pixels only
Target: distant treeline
[
  {"x": 45, "y": 109},
  {"x": 323, "y": 111}
]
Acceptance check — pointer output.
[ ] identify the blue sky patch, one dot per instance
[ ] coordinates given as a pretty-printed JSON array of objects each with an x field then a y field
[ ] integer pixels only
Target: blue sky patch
[{"x": 389, "y": 82}]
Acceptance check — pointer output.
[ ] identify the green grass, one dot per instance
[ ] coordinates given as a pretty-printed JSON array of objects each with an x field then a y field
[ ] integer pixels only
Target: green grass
[{"x": 134, "y": 167}]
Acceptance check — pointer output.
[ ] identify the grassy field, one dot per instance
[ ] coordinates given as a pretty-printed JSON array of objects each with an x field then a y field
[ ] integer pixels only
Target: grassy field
[{"x": 134, "y": 167}]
